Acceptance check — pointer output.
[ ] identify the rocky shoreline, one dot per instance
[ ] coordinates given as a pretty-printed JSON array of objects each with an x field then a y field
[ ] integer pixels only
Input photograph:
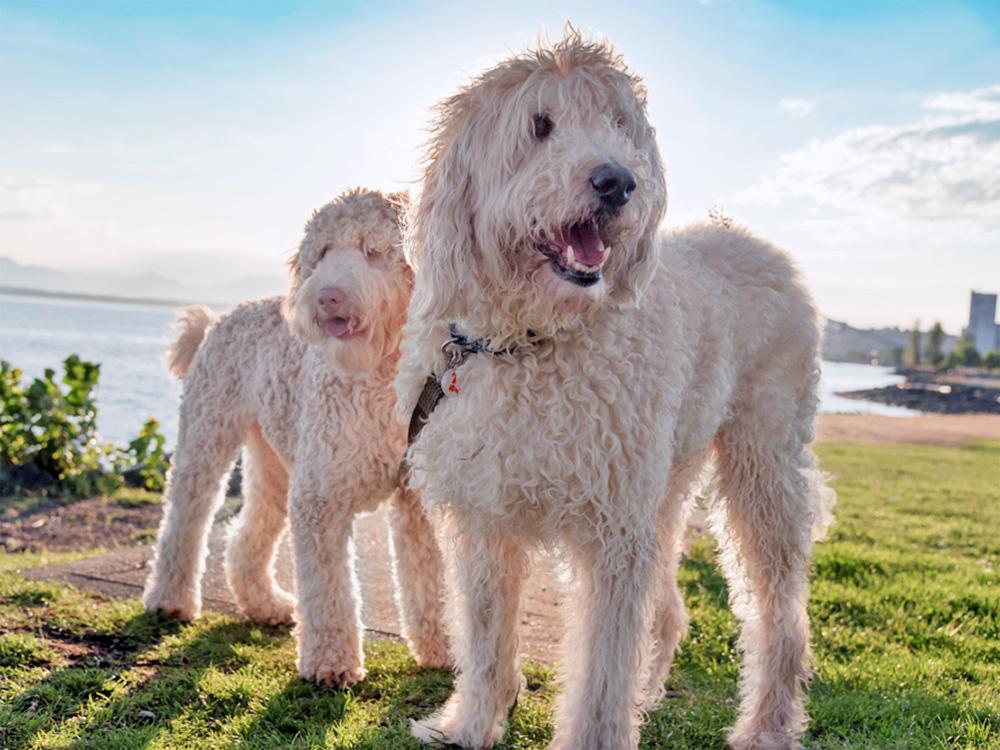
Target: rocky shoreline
[{"x": 927, "y": 391}]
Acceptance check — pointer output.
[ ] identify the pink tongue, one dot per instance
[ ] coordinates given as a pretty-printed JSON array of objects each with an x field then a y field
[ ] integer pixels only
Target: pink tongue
[
  {"x": 587, "y": 245},
  {"x": 336, "y": 327}
]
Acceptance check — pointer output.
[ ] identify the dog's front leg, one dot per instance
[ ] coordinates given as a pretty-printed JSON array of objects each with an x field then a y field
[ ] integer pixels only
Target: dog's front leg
[
  {"x": 488, "y": 570},
  {"x": 420, "y": 580},
  {"x": 607, "y": 638},
  {"x": 329, "y": 620}
]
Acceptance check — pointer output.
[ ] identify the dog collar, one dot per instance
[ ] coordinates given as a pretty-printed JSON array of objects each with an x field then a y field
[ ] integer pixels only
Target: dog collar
[
  {"x": 457, "y": 348},
  {"x": 460, "y": 346}
]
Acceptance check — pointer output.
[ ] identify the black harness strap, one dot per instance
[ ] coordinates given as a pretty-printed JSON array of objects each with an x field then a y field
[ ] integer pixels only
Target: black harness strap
[{"x": 430, "y": 396}]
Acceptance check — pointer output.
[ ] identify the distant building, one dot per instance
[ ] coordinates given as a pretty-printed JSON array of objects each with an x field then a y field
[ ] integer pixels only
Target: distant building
[{"x": 982, "y": 322}]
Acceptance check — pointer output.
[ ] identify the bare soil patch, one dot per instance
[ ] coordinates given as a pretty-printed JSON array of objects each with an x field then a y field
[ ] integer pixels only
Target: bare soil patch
[
  {"x": 83, "y": 525},
  {"x": 926, "y": 429}
]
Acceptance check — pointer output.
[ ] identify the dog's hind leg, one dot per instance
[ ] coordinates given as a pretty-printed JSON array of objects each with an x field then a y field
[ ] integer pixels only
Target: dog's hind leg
[
  {"x": 419, "y": 580},
  {"x": 255, "y": 533},
  {"x": 489, "y": 569},
  {"x": 763, "y": 516},
  {"x": 207, "y": 445},
  {"x": 670, "y": 619}
]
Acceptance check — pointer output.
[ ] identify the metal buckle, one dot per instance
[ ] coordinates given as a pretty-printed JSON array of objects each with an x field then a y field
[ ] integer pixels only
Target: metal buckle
[{"x": 454, "y": 350}]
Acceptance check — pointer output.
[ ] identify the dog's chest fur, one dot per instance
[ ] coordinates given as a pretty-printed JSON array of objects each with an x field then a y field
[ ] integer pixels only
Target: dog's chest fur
[
  {"x": 542, "y": 436},
  {"x": 316, "y": 420}
]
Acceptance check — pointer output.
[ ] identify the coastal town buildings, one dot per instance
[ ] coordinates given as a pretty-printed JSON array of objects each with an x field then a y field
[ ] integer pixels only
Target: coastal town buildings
[{"x": 982, "y": 322}]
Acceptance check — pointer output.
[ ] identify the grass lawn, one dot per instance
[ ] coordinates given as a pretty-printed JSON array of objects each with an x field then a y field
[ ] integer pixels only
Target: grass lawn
[{"x": 905, "y": 608}]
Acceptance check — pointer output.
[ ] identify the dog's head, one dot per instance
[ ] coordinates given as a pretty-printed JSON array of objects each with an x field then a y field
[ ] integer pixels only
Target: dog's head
[
  {"x": 542, "y": 193},
  {"x": 349, "y": 282}
]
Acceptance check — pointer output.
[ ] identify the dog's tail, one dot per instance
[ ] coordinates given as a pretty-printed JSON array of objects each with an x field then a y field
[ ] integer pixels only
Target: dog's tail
[{"x": 192, "y": 323}]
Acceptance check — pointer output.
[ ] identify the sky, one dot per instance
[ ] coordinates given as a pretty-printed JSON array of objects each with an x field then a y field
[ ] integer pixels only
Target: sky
[{"x": 193, "y": 139}]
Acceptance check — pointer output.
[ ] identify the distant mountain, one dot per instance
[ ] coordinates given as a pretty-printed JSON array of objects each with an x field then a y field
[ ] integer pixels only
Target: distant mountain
[
  {"x": 145, "y": 284},
  {"x": 845, "y": 343},
  {"x": 148, "y": 285}
]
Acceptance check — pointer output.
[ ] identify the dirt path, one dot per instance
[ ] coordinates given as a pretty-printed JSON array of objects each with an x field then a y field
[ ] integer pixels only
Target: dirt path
[{"x": 926, "y": 429}]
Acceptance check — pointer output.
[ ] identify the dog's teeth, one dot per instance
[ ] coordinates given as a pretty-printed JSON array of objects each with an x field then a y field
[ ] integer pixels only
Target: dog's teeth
[{"x": 570, "y": 257}]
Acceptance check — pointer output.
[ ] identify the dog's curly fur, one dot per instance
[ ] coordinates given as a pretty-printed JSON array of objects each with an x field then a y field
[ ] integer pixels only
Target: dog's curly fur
[
  {"x": 314, "y": 415},
  {"x": 692, "y": 349}
]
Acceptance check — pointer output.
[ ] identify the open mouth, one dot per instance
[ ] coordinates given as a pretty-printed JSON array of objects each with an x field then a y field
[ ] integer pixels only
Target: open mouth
[
  {"x": 576, "y": 252},
  {"x": 341, "y": 328}
]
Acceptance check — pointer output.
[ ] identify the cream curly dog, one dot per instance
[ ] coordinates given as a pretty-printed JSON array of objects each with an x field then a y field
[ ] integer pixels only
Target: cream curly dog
[
  {"x": 304, "y": 384},
  {"x": 598, "y": 366}
]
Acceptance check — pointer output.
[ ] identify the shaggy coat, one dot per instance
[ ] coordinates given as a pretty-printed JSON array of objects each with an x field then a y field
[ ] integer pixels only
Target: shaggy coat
[
  {"x": 623, "y": 363},
  {"x": 304, "y": 385}
]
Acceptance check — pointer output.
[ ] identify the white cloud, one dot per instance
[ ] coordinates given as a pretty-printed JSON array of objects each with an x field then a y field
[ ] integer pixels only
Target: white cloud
[
  {"x": 892, "y": 222},
  {"x": 46, "y": 186},
  {"x": 796, "y": 107},
  {"x": 943, "y": 167},
  {"x": 20, "y": 214},
  {"x": 59, "y": 149},
  {"x": 982, "y": 103}
]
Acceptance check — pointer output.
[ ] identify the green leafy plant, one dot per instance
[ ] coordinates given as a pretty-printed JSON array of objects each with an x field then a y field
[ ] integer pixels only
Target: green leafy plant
[
  {"x": 148, "y": 456},
  {"x": 48, "y": 432}
]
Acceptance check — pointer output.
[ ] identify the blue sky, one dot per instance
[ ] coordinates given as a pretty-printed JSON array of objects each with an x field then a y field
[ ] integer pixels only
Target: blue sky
[{"x": 194, "y": 138}]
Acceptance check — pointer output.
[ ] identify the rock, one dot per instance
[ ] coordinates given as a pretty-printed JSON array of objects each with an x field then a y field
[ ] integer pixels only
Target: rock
[
  {"x": 940, "y": 398},
  {"x": 15, "y": 480}
]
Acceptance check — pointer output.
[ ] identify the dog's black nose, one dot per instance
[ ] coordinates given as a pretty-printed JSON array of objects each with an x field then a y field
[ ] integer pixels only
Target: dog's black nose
[{"x": 613, "y": 184}]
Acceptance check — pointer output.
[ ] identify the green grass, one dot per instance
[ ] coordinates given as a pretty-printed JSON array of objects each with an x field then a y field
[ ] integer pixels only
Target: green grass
[{"x": 905, "y": 607}]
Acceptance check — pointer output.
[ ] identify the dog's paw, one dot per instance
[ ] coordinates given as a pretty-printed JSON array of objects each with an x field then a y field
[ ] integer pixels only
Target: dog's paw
[
  {"x": 276, "y": 609},
  {"x": 656, "y": 691},
  {"x": 429, "y": 731},
  {"x": 437, "y": 656},
  {"x": 332, "y": 673},
  {"x": 185, "y": 609},
  {"x": 775, "y": 740},
  {"x": 440, "y": 731},
  {"x": 331, "y": 666}
]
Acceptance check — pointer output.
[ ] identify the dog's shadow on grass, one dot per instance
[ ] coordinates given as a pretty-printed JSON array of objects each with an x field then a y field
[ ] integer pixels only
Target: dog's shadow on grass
[
  {"x": 139, "y": 690},
  {"x": 162, "y": 688},
  {"x": 126, "y": 689},
  {"x": 709, "y": 579},
  {"x": 375, "y": 713},
  {"x": 96, "y": 661}
]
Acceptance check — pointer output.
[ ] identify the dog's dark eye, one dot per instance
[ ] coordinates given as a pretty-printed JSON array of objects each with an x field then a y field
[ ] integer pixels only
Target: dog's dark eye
[{"x": 543, "y": 127}]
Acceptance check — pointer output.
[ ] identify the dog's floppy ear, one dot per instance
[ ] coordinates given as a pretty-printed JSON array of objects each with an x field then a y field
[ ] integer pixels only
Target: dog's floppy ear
[
  {"x": 294, "y": 282},
  {"x": 400, "y": 204},
  {"x": 299, "y": 264},
  {"x": 441, "y": 243}
]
